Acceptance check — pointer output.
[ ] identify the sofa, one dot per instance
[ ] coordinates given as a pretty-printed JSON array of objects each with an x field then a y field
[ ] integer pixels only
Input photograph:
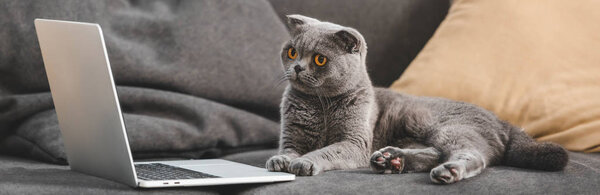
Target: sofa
[{"x": 200, "y": 79}]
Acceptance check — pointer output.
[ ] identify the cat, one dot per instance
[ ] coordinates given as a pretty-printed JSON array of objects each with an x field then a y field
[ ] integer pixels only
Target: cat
[{"x": 333, "y": 118}]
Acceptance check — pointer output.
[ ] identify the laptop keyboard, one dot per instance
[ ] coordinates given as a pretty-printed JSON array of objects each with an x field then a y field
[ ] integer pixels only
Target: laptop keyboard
[{"x": 158, "y": 171}]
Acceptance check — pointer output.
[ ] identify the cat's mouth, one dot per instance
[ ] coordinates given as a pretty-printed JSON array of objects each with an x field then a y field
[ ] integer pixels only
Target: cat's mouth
[
  {"x": 307, "y": 80},
  {"x": 302, "y": 79}
]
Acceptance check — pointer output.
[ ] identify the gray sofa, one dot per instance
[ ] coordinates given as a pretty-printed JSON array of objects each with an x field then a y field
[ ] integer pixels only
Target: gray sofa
[
  {"x": 198, "y": 79},
  {"x": 581, "y": 176}
]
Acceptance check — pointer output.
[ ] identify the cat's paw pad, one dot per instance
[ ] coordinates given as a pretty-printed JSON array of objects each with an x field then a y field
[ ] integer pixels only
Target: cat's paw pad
[
  {"x": 447, "y": 173},
  {"x": 388, "y": 160},
  {"x": 303, "y": 167},
  {"x": 278, "y": 163}
]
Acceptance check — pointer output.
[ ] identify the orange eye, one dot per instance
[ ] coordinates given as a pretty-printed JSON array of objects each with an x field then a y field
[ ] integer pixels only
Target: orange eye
[
  {"x": 292, "y": 53},
  {"x": 320, "y": 60}
]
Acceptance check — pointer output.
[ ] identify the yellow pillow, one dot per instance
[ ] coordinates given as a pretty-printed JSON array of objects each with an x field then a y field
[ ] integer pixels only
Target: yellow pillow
[{"x": 535, "y": 63}]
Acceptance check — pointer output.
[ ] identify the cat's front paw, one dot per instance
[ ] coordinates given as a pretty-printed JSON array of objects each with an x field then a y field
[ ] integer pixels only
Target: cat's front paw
[
  {"x": 388, "y": 160},
  {"x": 303, "y": 167},
  {"x": 447, "y": 173},
  {"x": 278, "y": 163}
]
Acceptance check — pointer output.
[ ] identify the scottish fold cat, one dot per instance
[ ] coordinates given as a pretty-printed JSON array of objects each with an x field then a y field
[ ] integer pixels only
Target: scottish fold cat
[{"x": 333, "y": 118}]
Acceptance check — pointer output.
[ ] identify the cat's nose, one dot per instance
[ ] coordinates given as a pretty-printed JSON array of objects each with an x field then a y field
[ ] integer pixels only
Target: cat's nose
[{"x": 298, "y": 69}]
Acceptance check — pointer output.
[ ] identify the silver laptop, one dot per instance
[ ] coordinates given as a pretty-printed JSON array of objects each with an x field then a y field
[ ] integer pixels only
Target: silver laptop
[{"x": 91, "y": 121}]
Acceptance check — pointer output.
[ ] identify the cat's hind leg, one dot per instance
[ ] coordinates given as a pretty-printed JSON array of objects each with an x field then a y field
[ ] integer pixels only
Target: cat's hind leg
[
  {"x": 398, "y": 160},
  {"x": 465, "y": 152}
]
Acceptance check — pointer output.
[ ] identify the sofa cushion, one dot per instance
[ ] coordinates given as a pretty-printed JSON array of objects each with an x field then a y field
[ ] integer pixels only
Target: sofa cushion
[
  {"x": 580, "y": 176},
  {"x": 194, "y": 78},
  {"x": 533, "y": 63}
]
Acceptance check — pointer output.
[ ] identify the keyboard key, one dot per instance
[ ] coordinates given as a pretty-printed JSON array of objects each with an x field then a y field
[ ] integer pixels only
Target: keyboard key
[{"x": 159, "y": 171}]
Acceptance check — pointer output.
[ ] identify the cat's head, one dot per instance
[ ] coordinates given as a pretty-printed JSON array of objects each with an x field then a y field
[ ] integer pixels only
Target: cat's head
[{"x": 323, "y": 57}]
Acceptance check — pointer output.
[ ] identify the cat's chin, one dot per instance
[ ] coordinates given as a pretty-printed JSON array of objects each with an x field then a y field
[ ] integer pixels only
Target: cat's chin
[
  {"x": 302, "y": 88},
  {"x": 306, "y": 90},
  {"x": 300, "y": 84}
]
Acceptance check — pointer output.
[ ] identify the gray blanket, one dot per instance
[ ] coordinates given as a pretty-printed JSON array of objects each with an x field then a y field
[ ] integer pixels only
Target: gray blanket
[{"x": 194, "y": 80}]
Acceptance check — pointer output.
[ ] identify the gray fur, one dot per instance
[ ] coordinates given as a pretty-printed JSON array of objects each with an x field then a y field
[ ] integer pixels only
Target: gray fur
[{"x": 333, "y": 118}]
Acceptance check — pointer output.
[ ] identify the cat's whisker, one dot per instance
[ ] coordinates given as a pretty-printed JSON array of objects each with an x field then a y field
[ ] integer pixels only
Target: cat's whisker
[
  {"x": 285, "y": 77},
  {"x": 312, "y": 80},
  {"x": 282, "y": 80}
]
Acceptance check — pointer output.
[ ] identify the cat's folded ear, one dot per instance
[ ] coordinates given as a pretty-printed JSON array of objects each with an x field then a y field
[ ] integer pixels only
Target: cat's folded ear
[
  {"x": 295, "y": 22},
  {"x": 351, "y": 40}
]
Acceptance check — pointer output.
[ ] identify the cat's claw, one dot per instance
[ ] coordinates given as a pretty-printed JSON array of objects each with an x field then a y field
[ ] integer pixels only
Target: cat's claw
[{"x": 387, "y": 160}]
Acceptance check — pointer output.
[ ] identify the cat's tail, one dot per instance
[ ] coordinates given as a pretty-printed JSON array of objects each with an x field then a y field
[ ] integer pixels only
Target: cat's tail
[{"x": 522, "y": 151}]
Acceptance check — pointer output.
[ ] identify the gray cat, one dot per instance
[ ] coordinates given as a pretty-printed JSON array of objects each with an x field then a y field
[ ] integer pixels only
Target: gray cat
[{"x": 333, "y": 118}]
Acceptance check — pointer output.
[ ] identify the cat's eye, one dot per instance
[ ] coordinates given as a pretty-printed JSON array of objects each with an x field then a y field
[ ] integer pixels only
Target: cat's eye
[
  {"x": 292, "y": 54},
  {"x": 320, "y": 60}
]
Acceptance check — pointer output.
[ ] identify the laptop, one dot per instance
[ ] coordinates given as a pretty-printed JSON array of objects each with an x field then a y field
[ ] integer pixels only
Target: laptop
[{"x": 91, "y": 122}]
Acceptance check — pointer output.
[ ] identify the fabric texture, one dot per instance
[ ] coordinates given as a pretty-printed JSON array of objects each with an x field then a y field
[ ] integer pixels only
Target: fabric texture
[
  {"x": 533, "y": 63},
  {"x": 581, "y": 176},
  {"x": 395, "y": 31},
  {"x": 195, "y": 78}
]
